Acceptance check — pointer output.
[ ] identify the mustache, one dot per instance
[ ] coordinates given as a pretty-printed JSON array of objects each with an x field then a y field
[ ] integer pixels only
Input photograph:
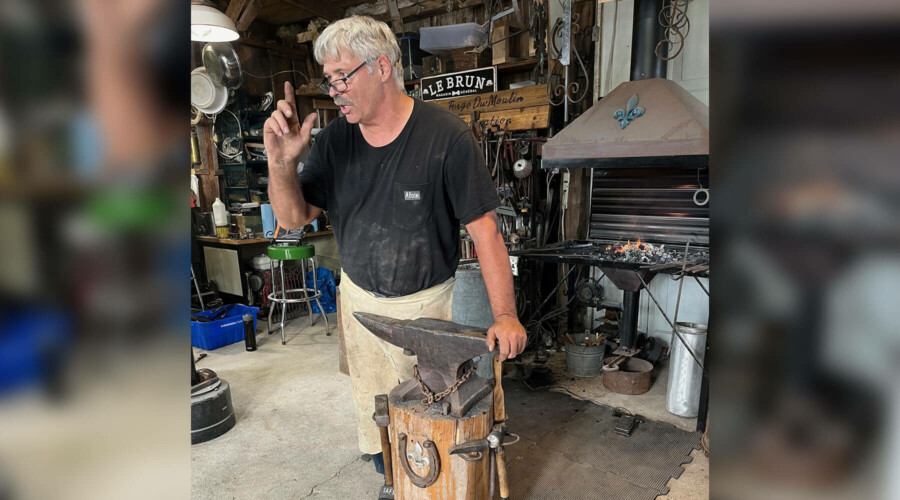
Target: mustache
[{"x": 342, "y": 102}]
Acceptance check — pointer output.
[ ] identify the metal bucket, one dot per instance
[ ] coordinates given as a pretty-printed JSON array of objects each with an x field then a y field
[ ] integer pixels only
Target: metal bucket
[
  {"x": 685, "y": 375},
  {"x": 584, "y": 361},
  {"x": 472, "y": 306}
]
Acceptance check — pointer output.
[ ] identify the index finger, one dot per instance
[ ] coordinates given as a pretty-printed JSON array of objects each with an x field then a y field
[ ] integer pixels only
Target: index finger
[{"x": 289, "y": 94}]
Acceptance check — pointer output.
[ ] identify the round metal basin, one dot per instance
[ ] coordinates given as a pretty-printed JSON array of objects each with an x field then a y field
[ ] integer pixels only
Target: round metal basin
[{"x": 632, "y": 377}]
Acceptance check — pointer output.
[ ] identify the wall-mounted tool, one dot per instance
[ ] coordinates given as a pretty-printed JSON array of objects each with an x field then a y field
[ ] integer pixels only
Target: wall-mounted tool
[{"x": 522, "y": 168}]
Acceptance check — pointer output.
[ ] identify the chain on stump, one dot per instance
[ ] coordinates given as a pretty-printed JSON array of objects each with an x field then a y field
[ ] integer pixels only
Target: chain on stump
[{"x": 431, "y": 397}]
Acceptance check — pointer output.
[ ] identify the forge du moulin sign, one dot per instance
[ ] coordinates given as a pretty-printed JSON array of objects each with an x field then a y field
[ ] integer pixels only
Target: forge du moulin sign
[{"x": 463, "y": 83}]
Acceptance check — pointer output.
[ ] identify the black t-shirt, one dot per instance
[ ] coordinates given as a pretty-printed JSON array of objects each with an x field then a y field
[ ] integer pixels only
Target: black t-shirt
[{"x": 396, "y": 209}]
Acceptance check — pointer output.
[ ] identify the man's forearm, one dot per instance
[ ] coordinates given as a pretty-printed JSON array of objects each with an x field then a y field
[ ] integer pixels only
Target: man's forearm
[
  {"x": 495, "y": 268},
  {"x": 286, "y": 197}
]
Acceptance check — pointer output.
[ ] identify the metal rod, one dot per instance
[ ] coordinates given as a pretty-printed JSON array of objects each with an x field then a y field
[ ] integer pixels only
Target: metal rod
[
  {"x": 550, "y": 295},
  {"x": 197, "y": 286},
  {"x": 284, "y": 300},
  {"x": 675, "y": 333},
  {"x": 566, "y": 97},
  {"x": 701, "y": 286},
  {"x": 647, "y": 287}
]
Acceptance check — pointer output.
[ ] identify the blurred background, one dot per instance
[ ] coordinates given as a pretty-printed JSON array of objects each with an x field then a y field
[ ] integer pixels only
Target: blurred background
[
  {"x": 806, "y": 228},
  {"x": 94, "y": 254}
]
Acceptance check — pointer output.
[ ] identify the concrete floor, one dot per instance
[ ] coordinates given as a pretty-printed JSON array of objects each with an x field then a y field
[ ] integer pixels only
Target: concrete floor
[{"x": 296, "y": 437}]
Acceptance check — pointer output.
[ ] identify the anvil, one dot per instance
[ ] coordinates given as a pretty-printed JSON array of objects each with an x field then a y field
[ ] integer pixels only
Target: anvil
[{"x": 444, "y": 350}]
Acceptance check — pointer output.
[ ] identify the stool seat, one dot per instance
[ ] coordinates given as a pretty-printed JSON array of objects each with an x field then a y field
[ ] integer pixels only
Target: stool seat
[
  {"x": 306, "y": 255},
  {"x": 291, "y": 252}
]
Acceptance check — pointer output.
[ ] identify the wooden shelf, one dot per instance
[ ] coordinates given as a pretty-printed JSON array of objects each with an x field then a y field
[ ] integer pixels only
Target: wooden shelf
[
  {"x": 516, "y": 65},
  {"x": 207, "y": 172}
]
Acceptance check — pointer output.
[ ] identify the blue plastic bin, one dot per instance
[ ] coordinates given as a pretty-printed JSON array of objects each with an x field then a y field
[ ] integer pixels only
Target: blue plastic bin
[{"x": 228, "y": 330}]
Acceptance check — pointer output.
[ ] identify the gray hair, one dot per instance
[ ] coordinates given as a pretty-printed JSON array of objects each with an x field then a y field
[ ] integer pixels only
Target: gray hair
[{"x": 363, "y": 37}]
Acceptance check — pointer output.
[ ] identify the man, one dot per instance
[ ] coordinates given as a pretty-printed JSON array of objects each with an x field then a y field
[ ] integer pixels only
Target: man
[{"x": 397, "y": 177}]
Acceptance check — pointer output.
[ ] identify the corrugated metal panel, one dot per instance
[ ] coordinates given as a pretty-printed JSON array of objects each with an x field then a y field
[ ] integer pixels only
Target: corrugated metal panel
[{"x": 654, "y": 204}]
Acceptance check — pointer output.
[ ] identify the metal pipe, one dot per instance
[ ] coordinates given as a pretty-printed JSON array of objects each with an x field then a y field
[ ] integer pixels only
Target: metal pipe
[
  {"x": 630, "y": 311},
  {"x": 647, "y": 32}
]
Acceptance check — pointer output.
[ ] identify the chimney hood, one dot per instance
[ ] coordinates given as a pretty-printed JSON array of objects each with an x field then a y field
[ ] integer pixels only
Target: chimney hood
[{"x": 650, "y": 122}]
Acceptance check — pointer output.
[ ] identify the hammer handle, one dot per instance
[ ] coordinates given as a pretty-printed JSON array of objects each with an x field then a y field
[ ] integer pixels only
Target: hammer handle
[
  {"x": 386, "y": 455},
  {"x": 501, "y": 473},
  {"x": 499, "y": 401}
]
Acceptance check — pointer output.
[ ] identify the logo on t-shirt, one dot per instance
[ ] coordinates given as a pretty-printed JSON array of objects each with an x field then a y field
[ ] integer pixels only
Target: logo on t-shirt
[{"x": 412, "y": 195}]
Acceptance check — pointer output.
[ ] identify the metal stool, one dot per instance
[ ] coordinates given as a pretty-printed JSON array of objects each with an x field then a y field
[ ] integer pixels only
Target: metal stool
[{"x": 306, "y": 254}]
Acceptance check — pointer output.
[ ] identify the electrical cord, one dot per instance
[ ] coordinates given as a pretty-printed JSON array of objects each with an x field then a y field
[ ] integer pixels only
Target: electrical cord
[
  {"x": 229, "y": 139},
  {"x": 251, "y": 75}
]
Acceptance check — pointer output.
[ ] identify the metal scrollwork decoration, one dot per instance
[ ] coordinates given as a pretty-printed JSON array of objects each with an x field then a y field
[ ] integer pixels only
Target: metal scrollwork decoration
[
  {"x": 565, "y": 39},
  {"x": 632, "y": 111},
  {"x": 673, "y": 17}
]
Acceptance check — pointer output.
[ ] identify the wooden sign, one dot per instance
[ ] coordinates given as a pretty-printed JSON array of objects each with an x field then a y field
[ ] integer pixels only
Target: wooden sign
[
  {"x": 518, "y": 109},
  {"x": 462, "y": 83}
]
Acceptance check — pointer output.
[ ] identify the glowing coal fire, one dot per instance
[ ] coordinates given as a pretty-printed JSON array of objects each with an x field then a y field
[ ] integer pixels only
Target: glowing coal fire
[{"x": 634, "y": 246}]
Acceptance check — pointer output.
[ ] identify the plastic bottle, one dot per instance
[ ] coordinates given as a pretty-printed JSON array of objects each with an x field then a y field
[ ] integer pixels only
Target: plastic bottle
[{"x": 220, "y": 214}]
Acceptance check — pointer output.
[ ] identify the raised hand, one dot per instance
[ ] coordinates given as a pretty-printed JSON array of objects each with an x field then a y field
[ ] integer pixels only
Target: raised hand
[{"x": 284, "y": 136}]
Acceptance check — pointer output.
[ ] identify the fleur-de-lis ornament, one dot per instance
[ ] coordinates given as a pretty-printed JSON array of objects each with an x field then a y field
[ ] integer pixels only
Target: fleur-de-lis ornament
[
  {"x": 632, "y": 111},
  {"x": 417, "y": 456}
]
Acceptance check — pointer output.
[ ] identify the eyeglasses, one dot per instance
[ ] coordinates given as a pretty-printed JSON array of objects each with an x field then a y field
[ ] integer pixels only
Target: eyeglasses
[{"x": 339, "y": 85}]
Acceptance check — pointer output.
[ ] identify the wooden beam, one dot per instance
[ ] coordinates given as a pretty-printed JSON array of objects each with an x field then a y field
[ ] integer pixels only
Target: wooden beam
[
  {"x": 299, "y": 51},
  {"x": 247, "y": 16},
  {"x": 318, "y": 8},
  {"x": 396, "y": 20},
  {"x": 419, "y": 10},
  {"x": 235, "y": 8},
  {"x": 209, "y": 158}
]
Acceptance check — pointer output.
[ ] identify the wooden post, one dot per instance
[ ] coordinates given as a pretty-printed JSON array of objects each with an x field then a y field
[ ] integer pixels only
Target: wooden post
[
  {"x": 457, "y": 479},
  {"x": 209, "y": 183}
]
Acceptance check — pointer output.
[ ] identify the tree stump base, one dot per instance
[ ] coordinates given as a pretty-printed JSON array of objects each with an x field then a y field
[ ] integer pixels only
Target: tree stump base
[{"x": 427, "y": 436}]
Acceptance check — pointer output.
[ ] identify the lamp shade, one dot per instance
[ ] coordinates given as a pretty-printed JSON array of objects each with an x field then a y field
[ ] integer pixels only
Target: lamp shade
[{"x": 208, "y": 24}]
